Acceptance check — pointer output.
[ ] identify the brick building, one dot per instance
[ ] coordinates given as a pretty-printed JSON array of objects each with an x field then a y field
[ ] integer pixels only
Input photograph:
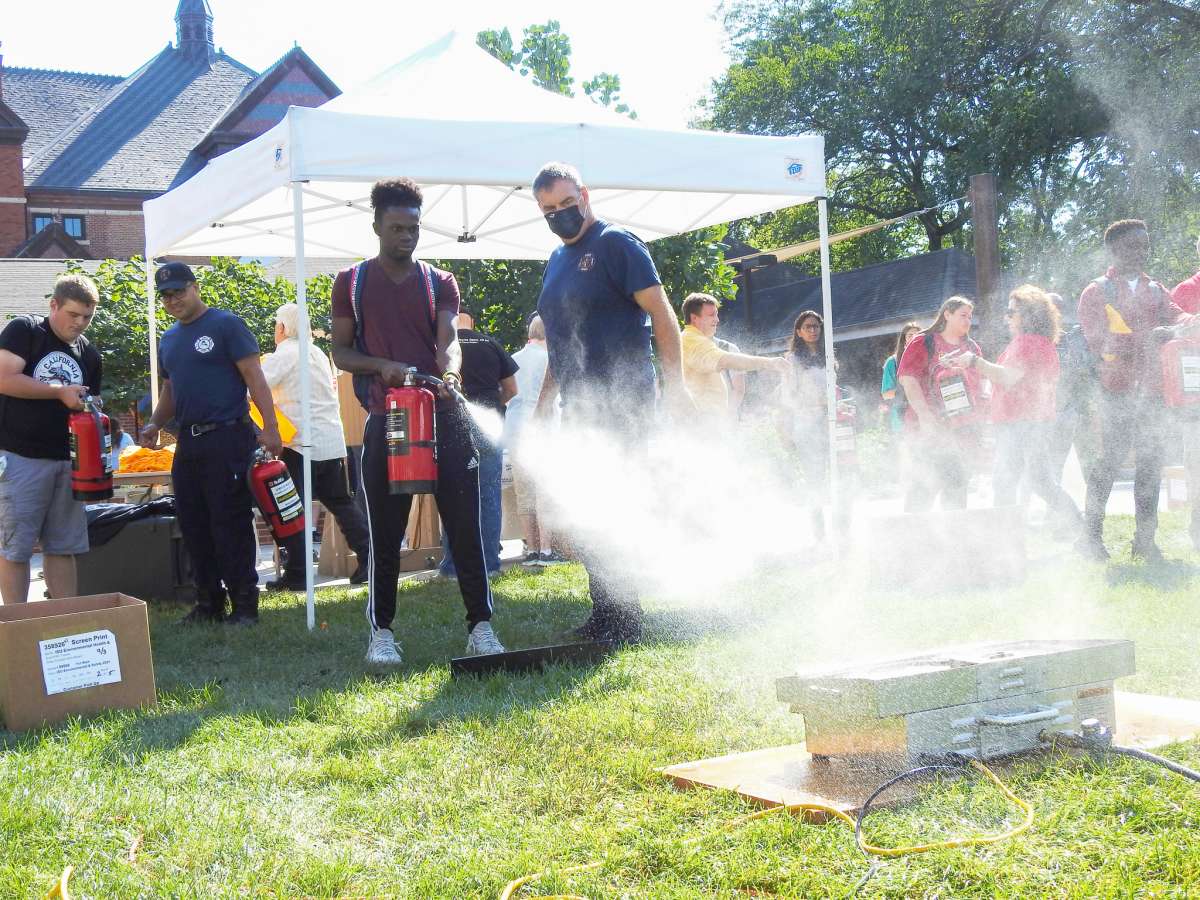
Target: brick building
[{"x": 79, "y": 153}]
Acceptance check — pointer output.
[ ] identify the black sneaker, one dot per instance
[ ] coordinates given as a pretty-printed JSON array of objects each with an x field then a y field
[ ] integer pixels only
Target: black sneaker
[
  {"x": 286, "y": 582},
  {"x": 1092, "y": 547},
  {"x": 242, "y": 617},
  {"x": 360, "y": 574},
  {"x": 245, "y": 609},
  {"x": 1147, "y": 551},
  {"x": 622, "y": 631}
]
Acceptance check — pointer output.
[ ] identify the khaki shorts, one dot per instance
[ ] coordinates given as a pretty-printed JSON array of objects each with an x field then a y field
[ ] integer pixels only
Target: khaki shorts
[
  {"x": 36, "y": 504},
  {"x": 525, "y": 491}
]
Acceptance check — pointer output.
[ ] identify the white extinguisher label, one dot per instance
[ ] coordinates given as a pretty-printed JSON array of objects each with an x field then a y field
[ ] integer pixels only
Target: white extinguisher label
[
  {"x": 287, "y": 498},
  {"x": 1191, "y": 374},
  {"x": 954, "y": 396}
]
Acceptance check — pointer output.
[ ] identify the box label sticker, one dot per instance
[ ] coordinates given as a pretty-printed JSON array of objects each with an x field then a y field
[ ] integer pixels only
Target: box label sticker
[{"x": 80, "y": 661}]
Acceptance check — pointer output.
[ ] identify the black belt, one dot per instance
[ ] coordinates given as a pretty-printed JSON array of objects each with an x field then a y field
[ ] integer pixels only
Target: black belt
[{"x": 201, "y": 428}]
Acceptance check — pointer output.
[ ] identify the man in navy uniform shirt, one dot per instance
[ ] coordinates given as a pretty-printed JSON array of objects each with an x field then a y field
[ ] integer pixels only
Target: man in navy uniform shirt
[
  {"x": 208, "y": 359},
  {"x": 600, "y": 292}
]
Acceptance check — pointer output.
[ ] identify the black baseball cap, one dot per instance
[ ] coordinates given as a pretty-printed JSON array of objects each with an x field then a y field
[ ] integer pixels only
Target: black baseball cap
[{"x": 173, "y": 276}]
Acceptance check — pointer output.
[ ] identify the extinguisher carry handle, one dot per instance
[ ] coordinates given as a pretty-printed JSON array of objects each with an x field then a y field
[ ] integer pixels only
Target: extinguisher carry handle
[{"x": 435, "y": 382}]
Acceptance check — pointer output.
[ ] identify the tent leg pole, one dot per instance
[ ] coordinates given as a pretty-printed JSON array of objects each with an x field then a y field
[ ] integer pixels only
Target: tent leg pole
[
  {"x": 152, "y": 324},
  {"x": 830, "y": 373},
  {"x": 305, "y": 338}
]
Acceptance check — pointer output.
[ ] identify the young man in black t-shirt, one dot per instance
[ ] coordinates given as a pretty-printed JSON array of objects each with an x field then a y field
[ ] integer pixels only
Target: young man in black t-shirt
[
  {"x": 47, "y": 367},
  {"x": 489, "y": 380}
]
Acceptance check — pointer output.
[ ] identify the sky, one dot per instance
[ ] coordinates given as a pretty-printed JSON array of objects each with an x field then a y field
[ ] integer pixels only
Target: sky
[{"x": 666, "y": 53}]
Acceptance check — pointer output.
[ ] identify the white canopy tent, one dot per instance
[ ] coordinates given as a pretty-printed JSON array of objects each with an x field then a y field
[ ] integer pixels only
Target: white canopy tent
[{"x": 473, "y": 133}]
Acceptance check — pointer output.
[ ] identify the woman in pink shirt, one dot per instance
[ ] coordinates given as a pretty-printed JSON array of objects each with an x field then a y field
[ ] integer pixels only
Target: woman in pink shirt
[{"x": 1025, "y": 377}]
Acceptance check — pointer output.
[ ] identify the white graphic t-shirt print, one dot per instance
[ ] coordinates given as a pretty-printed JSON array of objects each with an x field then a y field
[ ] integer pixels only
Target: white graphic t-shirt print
[
  {"x": 57, "y": 367},
  {"x": 204, "y": 344}
]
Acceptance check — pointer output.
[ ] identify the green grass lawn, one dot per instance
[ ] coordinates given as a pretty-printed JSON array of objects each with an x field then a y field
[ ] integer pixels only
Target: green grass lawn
[{"x": 278, "y": 765}]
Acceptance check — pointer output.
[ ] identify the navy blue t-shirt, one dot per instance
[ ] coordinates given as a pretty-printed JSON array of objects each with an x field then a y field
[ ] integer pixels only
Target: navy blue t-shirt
[
  {"x": 201, "y": 358},
  {"x": 597, "y": 337}
]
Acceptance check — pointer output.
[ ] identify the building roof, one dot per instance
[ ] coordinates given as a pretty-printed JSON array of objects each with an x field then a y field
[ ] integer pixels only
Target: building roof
[
  {"x": 876, "y": 295},
  {"x": 49, "y": 100},
  {"x": 52, "y": 242},
  {"x": 150, "y": 131},
  {"x": 293, "y": 79},
  {"x": 26, "y": 284},
  {"x": 140, "y": 135}
]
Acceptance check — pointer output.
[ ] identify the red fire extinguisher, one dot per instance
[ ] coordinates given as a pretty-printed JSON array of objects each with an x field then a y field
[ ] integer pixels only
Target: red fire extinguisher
[
  {"x": 91, "y": 448},
  {"x": 1181, "y": 372},
  {"x": 411, "y": 430},
  {"x": 276, "y": 495}
]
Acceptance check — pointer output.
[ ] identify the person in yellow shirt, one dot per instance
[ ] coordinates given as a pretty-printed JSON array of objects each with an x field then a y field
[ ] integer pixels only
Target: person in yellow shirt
[{"x": 704, "y": 363}]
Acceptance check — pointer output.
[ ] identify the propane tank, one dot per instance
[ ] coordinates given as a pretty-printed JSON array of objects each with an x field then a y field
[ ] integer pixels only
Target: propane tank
[
  {"x": 91, "y": 449},
  {"x": 1181, "y": 372},
  {"x": 411, "y": 431},
  {"x": 276, "y": 495}
]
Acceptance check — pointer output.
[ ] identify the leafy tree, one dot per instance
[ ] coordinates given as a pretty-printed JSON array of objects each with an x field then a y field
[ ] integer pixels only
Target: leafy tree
[
  {"x": 605, "y": 89},
  {"x": 912, "y": 97},
  {"x": 121, "y": 331},
  {"x": 1085, "y": 111}
]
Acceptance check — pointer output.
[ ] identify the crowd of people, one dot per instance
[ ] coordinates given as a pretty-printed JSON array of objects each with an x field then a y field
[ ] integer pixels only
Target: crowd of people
[
  {"x": 1099, "y": 387},
  {"x": 605, "y": 352}
]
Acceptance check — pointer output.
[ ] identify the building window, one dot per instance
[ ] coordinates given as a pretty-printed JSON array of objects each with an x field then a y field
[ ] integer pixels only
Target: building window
[
  {"x": 41, "y": 222},
  {"x": 73, "y": 226}
]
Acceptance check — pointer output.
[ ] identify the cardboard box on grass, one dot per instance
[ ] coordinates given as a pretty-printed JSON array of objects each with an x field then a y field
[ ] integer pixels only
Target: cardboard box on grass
[{"x": 74, "y": 656}]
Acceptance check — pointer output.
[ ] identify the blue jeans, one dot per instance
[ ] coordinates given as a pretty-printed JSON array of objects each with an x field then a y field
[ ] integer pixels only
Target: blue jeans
[{"x": 491, "y": 464}]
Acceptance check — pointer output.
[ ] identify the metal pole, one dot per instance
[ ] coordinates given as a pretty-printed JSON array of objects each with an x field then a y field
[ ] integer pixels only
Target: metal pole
[
  {"x": 305, "y": 338},
  {"x": 151, "y": 311},
  {"x": 830, "y": 373}
]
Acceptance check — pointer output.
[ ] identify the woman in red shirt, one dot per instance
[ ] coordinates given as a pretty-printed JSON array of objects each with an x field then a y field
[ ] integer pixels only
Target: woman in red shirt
[
  {"x": 940, "y": 423},
  {"x": 1023, "y": 406}
]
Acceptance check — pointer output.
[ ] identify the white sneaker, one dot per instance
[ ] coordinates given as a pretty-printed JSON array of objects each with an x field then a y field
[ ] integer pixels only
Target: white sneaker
[
  {"x": 383, "y": 650},
  {"x": 483, "y": 641}
]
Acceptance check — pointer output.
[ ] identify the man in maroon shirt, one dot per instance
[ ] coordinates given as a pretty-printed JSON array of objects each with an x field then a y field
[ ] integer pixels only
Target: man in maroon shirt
[
  {"x": 1187, "y": 297},
  {"x": 1122, "y": 314},
  {"x": 389, "y": 313}
]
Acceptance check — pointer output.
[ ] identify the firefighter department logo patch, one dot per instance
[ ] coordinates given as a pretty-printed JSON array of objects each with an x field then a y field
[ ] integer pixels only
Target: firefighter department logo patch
[
  {"x": 204, "y": 344},
  {"x": 57, "y": 367},
  {"x": 586, "y": 262}
]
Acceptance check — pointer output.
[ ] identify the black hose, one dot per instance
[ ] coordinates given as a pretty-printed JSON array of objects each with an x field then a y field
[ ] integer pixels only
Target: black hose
[{"x": 1156, "y": 759}]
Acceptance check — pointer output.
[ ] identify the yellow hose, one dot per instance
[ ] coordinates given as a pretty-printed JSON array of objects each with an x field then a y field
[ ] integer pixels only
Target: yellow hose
[{"x": 974, "y": 841}]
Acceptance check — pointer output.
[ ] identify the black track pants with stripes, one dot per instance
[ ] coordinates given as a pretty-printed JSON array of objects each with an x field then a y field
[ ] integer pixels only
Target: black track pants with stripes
[{"x": 458, "y": 505}]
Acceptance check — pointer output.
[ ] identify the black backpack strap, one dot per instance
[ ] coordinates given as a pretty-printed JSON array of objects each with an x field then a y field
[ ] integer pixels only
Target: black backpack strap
[
  {"x": 430, "y": 280},
  {"x": 362, "y": 381}
]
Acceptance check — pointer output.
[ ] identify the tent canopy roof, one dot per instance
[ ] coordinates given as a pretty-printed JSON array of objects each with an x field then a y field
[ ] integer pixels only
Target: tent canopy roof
[{"x": 473, "y": 133}]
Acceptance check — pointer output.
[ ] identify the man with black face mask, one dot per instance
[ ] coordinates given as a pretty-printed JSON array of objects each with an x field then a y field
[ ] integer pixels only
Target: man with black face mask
[{"x": 600, "y": 291}]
